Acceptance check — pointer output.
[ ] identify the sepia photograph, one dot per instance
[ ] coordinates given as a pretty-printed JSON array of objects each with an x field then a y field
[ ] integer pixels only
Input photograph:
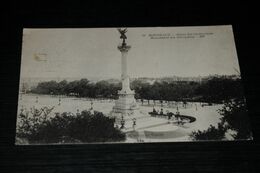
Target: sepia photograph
[{"x": 130, "y": 85}]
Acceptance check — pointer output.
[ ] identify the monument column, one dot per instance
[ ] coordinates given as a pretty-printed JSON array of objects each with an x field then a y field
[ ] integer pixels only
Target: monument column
[
  {"x": 124, "y": 73},
  {"x": 124, "y": 61},
  {"x": 126, "y": 104}
]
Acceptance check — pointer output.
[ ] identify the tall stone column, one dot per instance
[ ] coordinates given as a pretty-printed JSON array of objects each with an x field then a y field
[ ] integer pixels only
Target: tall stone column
[{"x": 124, "y": 73}]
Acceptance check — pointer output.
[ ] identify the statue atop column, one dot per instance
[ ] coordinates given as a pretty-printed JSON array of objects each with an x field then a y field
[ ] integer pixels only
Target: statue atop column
[
  {"x": 123, "y": 36},
  {"x": 123, "y": 47}
]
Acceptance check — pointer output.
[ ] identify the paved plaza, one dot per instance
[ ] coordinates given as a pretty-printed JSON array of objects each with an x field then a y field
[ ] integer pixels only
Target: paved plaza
[{"x": 147, "y": 128}]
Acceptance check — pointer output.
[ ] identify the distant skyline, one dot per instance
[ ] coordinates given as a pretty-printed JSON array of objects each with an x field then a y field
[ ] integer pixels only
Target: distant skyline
[{"x": 92, "y": 52}]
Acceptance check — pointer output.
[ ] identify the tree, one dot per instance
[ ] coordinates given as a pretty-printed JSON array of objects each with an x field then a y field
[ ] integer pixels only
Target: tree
[
  {"x": 144, "y": 91},
  {"x": 212, "y": 133},
  {"x": 50, "y": 87},
  {"x": 221, "y": 88},
  {"x": 234, "y": 117},
  {"x": 70, "y": 88},
  {"x": 62, "y": 86},
  {"x": 67, "y": 127},
  {"x": 102, "y": 89},
  {"x": 83, "y": 88}
]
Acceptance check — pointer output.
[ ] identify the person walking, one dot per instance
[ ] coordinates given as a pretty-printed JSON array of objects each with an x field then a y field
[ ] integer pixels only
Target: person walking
[{"x": 134, "y": 123}]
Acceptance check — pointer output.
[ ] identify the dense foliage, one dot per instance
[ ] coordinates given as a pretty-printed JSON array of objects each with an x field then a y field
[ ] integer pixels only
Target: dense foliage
[
  {"x": 213, "y": 90},
  {"x": 81, "y": 88},
  {"x": 37, "y": 127},
  {"x": 234, "y": 118},
  {"x": 212, "y": 133}
]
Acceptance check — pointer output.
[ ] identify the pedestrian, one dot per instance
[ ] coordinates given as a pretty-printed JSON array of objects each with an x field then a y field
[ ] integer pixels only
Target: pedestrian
[
  {"x": 122, "y": 123},
  {"x": 154, "y": 111},
  {"x": 169, "y": 114},
  {"x": 161, "y": 113},
  {"x": 59, "y": 101},
  {"x": 134, "y": 123}
]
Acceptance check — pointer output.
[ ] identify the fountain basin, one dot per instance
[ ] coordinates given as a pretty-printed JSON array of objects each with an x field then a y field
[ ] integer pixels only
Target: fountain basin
[{"x": 162, "y": 132}]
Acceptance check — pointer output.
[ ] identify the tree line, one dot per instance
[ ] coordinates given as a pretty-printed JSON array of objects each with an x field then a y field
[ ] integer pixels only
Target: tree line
[
  {"x": 214, "y": 90},
  {"x": 79, "y": 88}
]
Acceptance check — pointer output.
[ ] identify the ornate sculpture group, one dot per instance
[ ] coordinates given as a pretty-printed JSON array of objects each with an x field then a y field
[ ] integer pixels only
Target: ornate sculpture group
[{"x": 123, "y": 36}]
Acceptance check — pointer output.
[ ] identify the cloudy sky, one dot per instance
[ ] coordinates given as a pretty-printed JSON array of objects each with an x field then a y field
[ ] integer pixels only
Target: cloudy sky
[{"x": 155, "y": 52}]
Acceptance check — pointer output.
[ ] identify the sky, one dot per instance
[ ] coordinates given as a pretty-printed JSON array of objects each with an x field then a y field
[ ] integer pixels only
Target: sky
[{"x": 155, "y": 52}]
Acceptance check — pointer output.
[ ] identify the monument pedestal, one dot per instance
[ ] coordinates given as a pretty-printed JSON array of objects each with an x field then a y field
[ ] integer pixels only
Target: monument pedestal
[
  {"x": 125, "y": 106},
  {"x": 126, "y": 103}
]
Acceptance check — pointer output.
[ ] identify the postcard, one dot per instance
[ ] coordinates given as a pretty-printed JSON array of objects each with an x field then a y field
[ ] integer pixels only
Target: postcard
[{"x": 130, "y": 85}]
